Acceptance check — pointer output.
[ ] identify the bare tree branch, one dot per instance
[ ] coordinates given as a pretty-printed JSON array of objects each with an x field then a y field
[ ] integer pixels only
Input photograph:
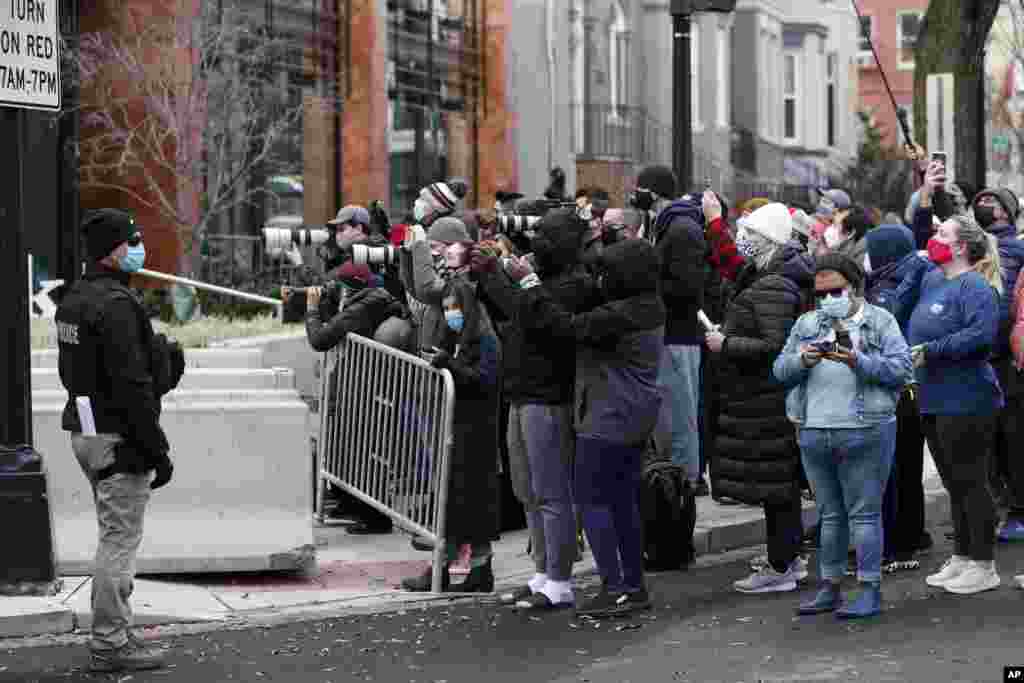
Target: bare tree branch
[{"x": 177, "y": 105}]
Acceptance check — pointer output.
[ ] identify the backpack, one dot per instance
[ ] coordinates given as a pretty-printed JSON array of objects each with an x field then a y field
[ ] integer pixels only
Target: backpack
[{"x": 668, "y": 510}]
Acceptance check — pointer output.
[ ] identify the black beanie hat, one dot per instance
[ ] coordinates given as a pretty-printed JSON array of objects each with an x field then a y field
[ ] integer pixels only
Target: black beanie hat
[
  {"x": 844, "y": 265},
  {"x": 107, "y": 229},
  {"x": 658, "y": 179},
  {"x": 1006, "y": 198}
]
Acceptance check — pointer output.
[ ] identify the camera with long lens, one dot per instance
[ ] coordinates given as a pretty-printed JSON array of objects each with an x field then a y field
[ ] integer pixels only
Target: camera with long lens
[
  {"x": 278, "y": 242},
  {"x": 521, "y": 222},
  {"x": 366, "y": 255},
  {"x": 515, "y": 225},
  {"x": 295, "y": 304}
]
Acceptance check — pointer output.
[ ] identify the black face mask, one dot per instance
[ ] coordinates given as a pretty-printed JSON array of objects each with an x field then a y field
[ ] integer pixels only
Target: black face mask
[
  {"x": 642, "y": 200},
  {"x": 985, "y": 215}
]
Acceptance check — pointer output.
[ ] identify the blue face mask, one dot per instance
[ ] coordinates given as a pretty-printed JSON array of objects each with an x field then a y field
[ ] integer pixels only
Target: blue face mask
[
  {"x": 134, "y": 260},
  {"x": 837, "y": 308},
  {"x": 455, "y": 320}
]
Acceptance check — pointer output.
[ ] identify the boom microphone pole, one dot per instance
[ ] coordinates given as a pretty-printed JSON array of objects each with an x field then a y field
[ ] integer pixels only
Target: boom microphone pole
[
  {"x": 901, "y": 113},
  {"x": 156, "y": 275}
]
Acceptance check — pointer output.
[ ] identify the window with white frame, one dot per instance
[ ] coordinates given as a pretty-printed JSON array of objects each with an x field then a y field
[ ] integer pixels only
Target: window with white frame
[
  {"x": 790, "y": 92},
  {"x": 618, "y": 62},
  {"x": 722, "y": 79},
  {"x": 867, "y": 28},
  {"x": 831, "y": 98},
  {"x": 908, "y": 25},
  {"x": 695, "y": 75}
]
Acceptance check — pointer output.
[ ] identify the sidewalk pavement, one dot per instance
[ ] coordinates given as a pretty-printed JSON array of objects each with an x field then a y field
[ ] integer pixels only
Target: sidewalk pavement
[{"x": 354, "y": 574}]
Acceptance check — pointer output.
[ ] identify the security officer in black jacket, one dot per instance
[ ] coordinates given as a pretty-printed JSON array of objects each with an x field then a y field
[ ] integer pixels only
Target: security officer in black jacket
[{"x": 109, "y": 355}]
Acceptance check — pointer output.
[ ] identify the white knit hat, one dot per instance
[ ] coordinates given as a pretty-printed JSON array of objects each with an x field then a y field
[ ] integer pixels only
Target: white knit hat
[{"x": 771, "y": 221}]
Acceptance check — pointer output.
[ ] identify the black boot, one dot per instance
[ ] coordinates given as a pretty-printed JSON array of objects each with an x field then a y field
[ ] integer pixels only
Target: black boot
[
  {"x": 423, "y": 582},
  {"x": 479, "y": 580}
]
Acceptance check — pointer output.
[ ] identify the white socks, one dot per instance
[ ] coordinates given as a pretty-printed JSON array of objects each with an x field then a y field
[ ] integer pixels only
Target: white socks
[
  {"x": 537, "y": 582},
  {"x": 558, "y": 592}
]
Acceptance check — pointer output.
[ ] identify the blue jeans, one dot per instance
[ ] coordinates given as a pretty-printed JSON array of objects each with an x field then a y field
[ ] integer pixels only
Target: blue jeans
[
  {"x": 607, "y": 481},
  {"x": 848, "y": 470},
  {"x": 678, "y": 429}
]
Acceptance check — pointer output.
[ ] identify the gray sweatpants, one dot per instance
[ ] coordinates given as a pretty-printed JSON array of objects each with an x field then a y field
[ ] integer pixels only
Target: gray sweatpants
[
  {"x": 120, "y": 506},
  {"x": 540, "y": 453}
]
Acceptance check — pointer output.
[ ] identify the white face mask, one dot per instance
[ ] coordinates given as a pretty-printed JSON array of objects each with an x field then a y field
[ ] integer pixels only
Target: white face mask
[
  {"x": 420, "y": 209},
  {"x": 833, "y": 237}
]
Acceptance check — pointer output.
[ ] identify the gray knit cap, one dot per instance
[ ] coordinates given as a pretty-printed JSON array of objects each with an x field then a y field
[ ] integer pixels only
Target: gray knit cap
[{"x": 448, "y": 230}]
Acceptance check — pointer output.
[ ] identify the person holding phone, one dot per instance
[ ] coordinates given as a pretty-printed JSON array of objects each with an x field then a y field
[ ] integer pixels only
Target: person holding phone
[
  {"x": 953, "y": 331},
  {"x": 756, "y": 459},
  {"x": 845, "y": 365}
]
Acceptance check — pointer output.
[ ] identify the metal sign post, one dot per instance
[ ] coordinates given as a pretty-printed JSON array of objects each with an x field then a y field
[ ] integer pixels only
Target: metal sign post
[
  {"x": 29, "y": 79},
  {"x": 682, "y": 97},
  {"x": 15, "y": 380}
]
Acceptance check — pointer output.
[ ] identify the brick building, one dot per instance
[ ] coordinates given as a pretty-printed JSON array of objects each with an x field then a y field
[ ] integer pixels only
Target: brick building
[
  {"x": 394, "y": 94},
  {"x": 893, "y": 26}
]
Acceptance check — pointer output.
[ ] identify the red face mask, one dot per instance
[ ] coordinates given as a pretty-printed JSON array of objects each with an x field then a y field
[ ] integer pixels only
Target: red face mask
[{"x": 939, "y": 252}]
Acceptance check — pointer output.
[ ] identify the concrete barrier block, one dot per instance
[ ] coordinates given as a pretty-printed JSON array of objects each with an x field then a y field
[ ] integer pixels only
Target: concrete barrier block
[
  {"x": 48, "y": 379},
  {"x": 240, "y": 499},
  {"x": 186, "y": 396},
  {"x": 287, "y": 350},
  {"x": 194, "y": 358},
  {"x": 25, "y": 617}
]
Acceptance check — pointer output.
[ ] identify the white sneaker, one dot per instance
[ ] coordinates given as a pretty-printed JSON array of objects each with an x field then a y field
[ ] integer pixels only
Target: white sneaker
[
  {"x": 1019, "y": 579},
  {"x": 978, "y": 577},
  {"x": 952, "y": 568},
  {"x": 767, "y": 580}
]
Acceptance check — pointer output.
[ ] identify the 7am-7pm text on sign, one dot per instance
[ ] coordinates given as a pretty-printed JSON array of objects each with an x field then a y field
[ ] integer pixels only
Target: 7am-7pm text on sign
[{"x": 30, "y": 54}]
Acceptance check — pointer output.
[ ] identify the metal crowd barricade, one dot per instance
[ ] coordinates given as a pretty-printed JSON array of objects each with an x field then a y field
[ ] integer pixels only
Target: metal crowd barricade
[{"x": 386, "y": 436}]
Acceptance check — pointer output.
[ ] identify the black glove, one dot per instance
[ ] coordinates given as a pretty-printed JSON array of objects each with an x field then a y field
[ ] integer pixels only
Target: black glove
[
  {"x": 442, "y": 359},
  {"x": 164, "y": 471}
]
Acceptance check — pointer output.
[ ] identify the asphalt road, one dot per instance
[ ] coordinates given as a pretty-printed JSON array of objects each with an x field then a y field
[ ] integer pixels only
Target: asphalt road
[{"x": 700, "y": 631}]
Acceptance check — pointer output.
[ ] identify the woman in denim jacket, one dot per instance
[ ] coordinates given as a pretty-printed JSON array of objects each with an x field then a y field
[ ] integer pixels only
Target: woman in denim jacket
[{"x": 843, "y": 401}]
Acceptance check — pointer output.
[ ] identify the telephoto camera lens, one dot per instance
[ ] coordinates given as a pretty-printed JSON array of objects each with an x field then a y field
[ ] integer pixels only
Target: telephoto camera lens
[
  {"x": 516, "y": 225},
  {"x": 363, "y": 255},
  {"x": 276, "y": 241}
]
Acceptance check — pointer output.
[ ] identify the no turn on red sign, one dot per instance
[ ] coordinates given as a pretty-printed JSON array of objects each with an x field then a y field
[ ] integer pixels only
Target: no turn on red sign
[{"x": 30, "y": 54}]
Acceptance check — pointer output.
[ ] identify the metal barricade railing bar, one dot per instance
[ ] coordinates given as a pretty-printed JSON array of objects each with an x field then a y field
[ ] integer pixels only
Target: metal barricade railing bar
[{"x": 386, "y": 436}]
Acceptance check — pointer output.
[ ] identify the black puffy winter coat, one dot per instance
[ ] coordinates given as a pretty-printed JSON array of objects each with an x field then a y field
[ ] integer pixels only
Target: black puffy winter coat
[{"x": 757, "y": 459}]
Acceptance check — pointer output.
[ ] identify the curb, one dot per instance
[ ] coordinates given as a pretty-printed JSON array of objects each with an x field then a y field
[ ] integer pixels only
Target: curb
[
  {"x": 35, "y": 617},
  {"x": 712, "y": 540}
]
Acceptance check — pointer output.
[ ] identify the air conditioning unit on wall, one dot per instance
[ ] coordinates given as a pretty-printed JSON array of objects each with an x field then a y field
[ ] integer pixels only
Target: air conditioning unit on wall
[{"x": 865, "y": 60}]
